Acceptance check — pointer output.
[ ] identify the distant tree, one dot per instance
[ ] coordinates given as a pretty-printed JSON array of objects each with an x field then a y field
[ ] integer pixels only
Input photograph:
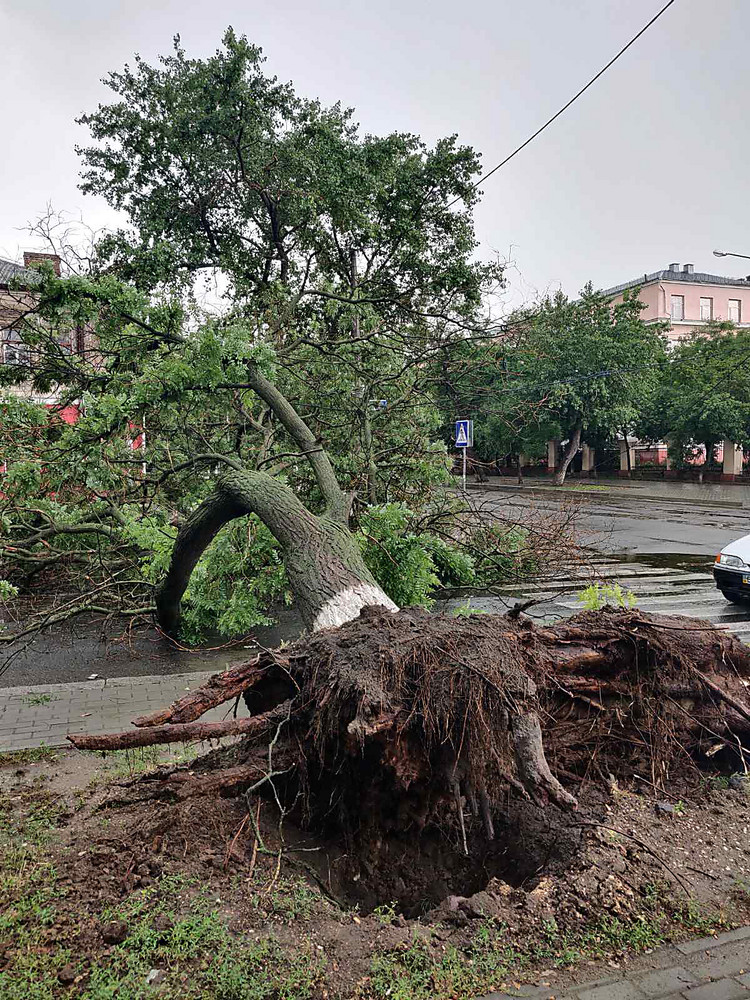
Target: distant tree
[
  {"x": 704, "y": 393},
  {"x": 592, "y": 366},
  {"x": 488, "y": 381}
]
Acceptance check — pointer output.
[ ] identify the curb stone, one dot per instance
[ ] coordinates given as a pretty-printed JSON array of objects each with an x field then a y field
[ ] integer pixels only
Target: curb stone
[
  {"x": 707, "y": 968},
  {"x": 608, "y": 494}
]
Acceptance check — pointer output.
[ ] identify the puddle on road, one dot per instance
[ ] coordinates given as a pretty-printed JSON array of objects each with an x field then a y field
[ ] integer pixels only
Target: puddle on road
[
  {"x": 682, "y": 562},
  {"x": 691, "y": 563}
]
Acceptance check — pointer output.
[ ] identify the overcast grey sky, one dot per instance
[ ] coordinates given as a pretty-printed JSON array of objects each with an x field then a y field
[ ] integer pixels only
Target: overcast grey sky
[{"x": 649, "y": 166}]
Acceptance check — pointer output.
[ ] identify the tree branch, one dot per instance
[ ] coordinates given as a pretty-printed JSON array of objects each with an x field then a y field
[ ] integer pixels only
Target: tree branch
[{"x": 337, "y": 502}]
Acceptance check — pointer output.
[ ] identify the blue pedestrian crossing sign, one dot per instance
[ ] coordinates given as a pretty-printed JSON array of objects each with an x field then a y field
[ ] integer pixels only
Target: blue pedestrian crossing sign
[{"x": 464, "y": 433}]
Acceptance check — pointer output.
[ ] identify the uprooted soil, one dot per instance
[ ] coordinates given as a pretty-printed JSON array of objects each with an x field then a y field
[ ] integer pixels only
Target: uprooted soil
[
  {"x": 435, "y": 806},
  {"x": 430, "y": 749},
  {"x": 100, "y": 899}
]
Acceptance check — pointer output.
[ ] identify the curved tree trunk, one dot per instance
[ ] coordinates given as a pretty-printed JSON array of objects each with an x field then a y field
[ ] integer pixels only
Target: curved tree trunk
[
  {"x": 326, "y": 572},
  {"x": 570, "y": 453}
]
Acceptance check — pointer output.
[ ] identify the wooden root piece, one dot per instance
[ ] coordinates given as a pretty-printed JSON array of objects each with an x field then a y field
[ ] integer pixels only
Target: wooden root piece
[
  {"x": 181, "y": 785},
  {"x": 723, "y": 695},
  {"x": 532, "y": 765},
  {"x": 361, "y": 728},
  {"x": 217, "y": 689},
  {"x": 184, "y": 785},
  {"x": 182, "y": 733}
]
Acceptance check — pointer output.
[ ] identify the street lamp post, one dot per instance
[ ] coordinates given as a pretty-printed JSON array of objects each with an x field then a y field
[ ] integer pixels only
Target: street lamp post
[{"x": 727, "y": 253}]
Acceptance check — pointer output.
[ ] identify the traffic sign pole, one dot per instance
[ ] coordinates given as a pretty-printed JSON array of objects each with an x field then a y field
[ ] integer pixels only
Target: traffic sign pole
[{"x": 464, "y": 438}]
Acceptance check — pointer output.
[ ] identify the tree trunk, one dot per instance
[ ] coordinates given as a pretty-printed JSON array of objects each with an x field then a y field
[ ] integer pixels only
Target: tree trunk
[
  {"x": 520, "y": 469},
  {"x": 570, "y": 453},
  {"x": 372, "y": 472},
  {"x": 326, "y": 572}
]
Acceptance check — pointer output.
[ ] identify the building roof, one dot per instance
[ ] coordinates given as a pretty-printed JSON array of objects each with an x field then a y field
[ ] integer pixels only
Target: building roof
[
  {"x": 15, "y": 272},
  {"x": 690, "y": 277}
]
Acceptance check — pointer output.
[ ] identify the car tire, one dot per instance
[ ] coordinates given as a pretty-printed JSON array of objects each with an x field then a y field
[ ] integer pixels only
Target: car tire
[{"x": 733, "y": 597}]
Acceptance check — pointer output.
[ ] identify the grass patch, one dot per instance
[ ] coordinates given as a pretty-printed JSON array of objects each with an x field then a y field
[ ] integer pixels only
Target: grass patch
[
  {"x": 31, "y": 755},
  {"x": 120, "y": 764},
  {"x": 176, "y": 946},
  {"x": 37, "y": 699},
  {"x": 30, "y": 816},
  {"x": 288, "y": 899},
  {"x": 492, "y": 960},
  {"x": 29, "y": 889}
]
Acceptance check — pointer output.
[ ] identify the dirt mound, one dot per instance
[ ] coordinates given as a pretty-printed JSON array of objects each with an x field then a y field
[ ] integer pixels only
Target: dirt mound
[
  {"x": 220, "y": 907},
  {"x": 435, "y": 749}
]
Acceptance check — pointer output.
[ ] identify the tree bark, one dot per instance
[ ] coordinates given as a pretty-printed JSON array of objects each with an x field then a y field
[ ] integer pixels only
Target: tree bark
[
  {"x": 337, "y": 502},
  {"x": 372, "y": 472},
  {"x": 324, "y": 565},
  {"x": 256, "y": 725},
  {"x": 218, "y": 689},
  {"x": 570, "y": 453}
]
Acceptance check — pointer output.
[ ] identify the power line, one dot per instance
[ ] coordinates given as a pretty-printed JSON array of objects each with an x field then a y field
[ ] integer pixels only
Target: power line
[{"x": 573, "y": 99}]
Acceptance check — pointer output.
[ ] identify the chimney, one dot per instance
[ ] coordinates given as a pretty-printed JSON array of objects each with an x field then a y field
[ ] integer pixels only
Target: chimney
[
  {"x": 674, "y": 267},
  {"x": 32, "y": 259},
  {"x": 687, "y": 268}
]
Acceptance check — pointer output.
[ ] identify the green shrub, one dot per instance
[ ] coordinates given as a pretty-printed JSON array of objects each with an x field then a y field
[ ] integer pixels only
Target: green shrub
[
  {"x": 597, "y": 595},
  {"x": 237, "y": 579},
  {"x": 500, "y": 553},
  {"x": 396, "y": 556}
]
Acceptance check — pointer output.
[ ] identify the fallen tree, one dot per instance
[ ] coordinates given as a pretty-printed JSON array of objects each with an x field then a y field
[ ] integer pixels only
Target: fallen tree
[{"x": 412, "y": 725}]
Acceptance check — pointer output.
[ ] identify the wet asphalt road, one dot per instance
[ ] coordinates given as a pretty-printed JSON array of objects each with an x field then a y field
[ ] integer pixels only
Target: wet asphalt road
[
  {"x": 616, "y": 522},
  {"x": 79, "y": 650},
  {"x": 661, "y": 549},
  {"x": 658, "y": 584}
]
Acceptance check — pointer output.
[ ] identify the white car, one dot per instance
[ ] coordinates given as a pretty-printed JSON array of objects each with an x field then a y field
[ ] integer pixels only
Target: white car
[{"x": 732, "y": 570}]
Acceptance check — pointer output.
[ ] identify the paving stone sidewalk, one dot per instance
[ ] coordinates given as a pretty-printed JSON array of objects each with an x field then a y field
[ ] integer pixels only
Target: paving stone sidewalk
[
  {"x": 42, "y": 715},
  {"x": 713, "y": 968}
]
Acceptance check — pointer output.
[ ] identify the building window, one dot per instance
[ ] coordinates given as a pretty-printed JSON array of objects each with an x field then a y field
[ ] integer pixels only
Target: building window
[
  {"x": 707, "y": 309},
  {"x": 678, "y": 307},
  {"x": 735, "y": 311},
  {"x": 15, "y": 352}
]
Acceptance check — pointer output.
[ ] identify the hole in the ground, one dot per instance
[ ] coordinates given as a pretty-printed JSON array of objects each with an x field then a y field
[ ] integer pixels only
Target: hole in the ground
[{"x": 417, "y": 874}]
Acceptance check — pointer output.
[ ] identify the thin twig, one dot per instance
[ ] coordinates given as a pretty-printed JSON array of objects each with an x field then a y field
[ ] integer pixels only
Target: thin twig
[{"x": 234, "y": 841}]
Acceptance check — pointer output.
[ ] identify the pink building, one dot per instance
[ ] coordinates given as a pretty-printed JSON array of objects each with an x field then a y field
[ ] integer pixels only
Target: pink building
[{"x": 687, "y": 299}]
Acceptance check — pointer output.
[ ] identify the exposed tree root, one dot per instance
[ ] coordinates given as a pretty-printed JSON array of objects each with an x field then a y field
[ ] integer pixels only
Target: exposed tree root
[
  {"x": 256, "y": 725},
  {"x": 398, "y": 724},
  {"x": 217, "y": 690},
  {"x": 176, "y": 786}
]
